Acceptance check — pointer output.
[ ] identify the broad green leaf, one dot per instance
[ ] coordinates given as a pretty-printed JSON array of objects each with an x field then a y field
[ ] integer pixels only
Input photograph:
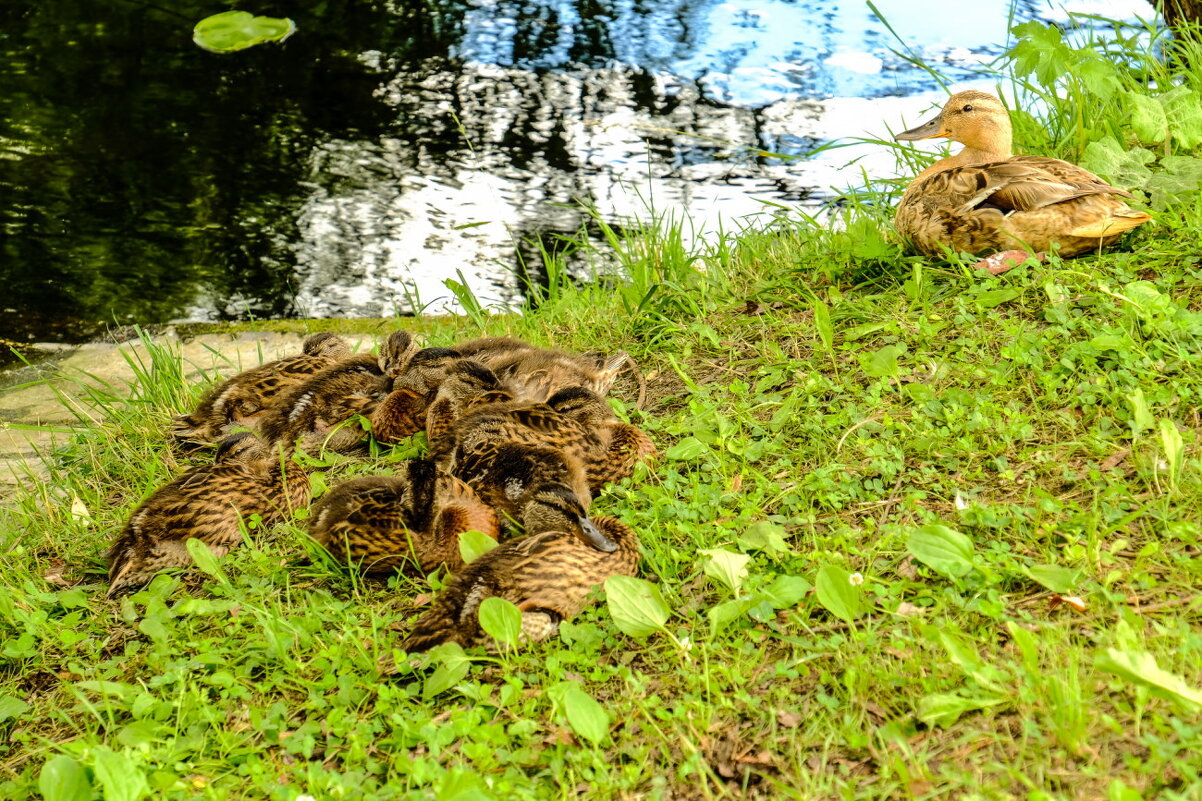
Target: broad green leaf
[
  {"x": 1054, "y": 577},
  {"x": 786, "y": 591},
  {"x": 1122, "y": 166},
  {"x": 238, "y": 30},
  {"x": 837, "y": 594},
  {"x": 1174, "y": 448},
  {"x": 1140, "y": 413},
  {"x": 726, "y": 613},
  {"x": 822, "y": 324},
  {"x": 990, "y": 298},
  {"x": 686, "y": 450},
  {"x": 462, "y": 785},
  {"x": 765, "y": 536},
  {"x": 1115, "y": 342},
  {"x": 920, "y": 393},
  {"x": 944, "y": 709},
  {"x": 587, "y": 718},
  {"x": 474, "y": 544},
  {"x": 882, "y": 363},
  {"x": 860, "y": 331},
  {"x": 1183, "y": 108},
  {"x": 1179, "y": 175},
  {"x": 1146, "y": 118},
  {"x": 11, "y": 707},
  {"x": 204, "y": 558},
  {"x": 453, "y": 665},
  {"x": 64, "y": 779},
  {"x": 120, "y": 777},
  {"x": 1140, "y": 667},
  {"x": 943, "y": 549},
  {"x": 154, "y": 627},
  {"x": 728, "y": 568},
  {"x": 501, "y": 620},
  {"x": 636, "y": 606}
]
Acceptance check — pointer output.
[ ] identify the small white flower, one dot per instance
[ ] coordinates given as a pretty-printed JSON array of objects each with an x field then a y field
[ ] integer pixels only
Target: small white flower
[
  {"x": 856, "y": 579},
  {"x": 686, "y": 643},
  {"x": 1162, "y": 465},
  {"x": 305, "y": 798},
  {"x": 960, "y": 502}
]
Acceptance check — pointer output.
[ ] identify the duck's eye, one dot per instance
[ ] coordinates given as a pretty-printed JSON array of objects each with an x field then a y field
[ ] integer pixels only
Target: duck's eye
[{"x": 967, "y": 108}]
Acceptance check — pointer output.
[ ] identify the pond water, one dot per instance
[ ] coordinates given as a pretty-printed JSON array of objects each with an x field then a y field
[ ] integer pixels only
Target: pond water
[{"x": 391, "y": 145}]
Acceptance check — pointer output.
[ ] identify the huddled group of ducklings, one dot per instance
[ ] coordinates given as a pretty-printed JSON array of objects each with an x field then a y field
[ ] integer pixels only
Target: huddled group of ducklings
[{"x": 519, "y": 438}]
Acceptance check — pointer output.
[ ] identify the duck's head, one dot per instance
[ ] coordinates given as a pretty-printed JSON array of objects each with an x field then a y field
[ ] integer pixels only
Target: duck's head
[
  {"x": 976, "y": 119},
  {"x": 326, "y": 344},
  {"x": 555, "y": 507}
]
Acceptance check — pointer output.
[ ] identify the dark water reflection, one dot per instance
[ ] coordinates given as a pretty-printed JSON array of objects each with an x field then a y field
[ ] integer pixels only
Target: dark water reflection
[{"x": 389, "y": 145}]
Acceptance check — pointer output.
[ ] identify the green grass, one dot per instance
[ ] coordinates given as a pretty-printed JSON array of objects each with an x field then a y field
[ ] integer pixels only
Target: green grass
[{"x": 827, "y": 406}]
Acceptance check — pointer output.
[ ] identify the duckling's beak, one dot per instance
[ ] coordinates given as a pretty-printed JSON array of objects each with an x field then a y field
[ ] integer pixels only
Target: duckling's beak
[
  {"x": 928, "y": 130},
  {"x": 595, "y": 536}
]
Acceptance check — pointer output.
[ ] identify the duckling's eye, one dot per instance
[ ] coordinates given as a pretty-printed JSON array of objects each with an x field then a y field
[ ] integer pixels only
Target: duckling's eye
[{"x": 967, "y": 108}]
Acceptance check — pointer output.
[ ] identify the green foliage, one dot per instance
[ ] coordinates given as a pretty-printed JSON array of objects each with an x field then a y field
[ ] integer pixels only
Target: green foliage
[{"x": 230, "y": 31}]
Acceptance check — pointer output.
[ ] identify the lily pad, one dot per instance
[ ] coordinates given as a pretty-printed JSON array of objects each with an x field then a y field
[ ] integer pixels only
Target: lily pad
[{"x": 238, "y": 30}]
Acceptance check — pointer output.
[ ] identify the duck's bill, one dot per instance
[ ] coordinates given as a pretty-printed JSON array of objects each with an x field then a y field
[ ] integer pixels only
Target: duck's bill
[
  {"x": 596, "y": 537},
  {"x": 928, "y": 130}
]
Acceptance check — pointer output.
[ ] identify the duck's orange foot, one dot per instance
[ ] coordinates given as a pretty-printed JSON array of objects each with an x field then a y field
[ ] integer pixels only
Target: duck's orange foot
[{"x": 1005, "y": 260}]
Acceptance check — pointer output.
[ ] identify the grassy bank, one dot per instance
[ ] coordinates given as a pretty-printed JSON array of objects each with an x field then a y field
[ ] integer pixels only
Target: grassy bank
[{"x": 898, "y": 467}]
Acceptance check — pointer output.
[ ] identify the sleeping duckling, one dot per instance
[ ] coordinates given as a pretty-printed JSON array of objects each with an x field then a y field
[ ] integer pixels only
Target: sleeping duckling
[
  {"x": 984, "y": 198},
  {"x": 535, "y": 374},
  {"x": 402, "y": 413},
  {"x": 549, "y": 576},
  {"x": 615, "y": 447},
  {"x": 243, "y": 399},
  {"x": 206, "y": 503},
  {"x": 311, "y": 414},
  {"x": 385, "y": 523}
]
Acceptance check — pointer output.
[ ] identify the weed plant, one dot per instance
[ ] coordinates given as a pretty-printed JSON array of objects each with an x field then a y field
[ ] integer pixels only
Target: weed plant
[{"x": 917, "y": 532}]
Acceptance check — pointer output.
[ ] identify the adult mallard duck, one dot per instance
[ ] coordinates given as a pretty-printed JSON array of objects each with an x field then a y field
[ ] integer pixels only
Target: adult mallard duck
[
  {"x": 207, "y": 503},
  {"x": 985, "y": 198},
  {"x": 549, "y": 576},
  {"x": 386, "y": 523}
]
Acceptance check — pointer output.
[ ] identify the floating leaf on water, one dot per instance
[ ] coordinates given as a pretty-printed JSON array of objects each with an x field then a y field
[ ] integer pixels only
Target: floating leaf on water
[{"x": 237, "y": 30}]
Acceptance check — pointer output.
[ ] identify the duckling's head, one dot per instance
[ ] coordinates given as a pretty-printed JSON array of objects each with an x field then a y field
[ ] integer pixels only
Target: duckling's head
[
  {"x": 976, "y": 119},
  {"x": 582, "y": 405},
  {"x": 326, "y": 344},
  {"x": 243, "y": 447},
  {"x": 555, "y": 507},
  {"x": 397, "y": 352},
  {"x": 466, "y": 379}
]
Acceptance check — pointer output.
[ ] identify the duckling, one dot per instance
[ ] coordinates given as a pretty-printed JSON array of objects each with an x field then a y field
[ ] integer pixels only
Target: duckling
[
  {"x": 549, "y": 576},
  {"x": 207, "y": 503},
  {"x": 615, "y": 447},
  {"x": 386, "y": 523},
  {"x": 984, "y": 198},
  {"x": 243, "y": 399},
  {"x": 402, "y": 413},
  {"x": 310, "y": 413},
  {"x": 535, "y": 374}
]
